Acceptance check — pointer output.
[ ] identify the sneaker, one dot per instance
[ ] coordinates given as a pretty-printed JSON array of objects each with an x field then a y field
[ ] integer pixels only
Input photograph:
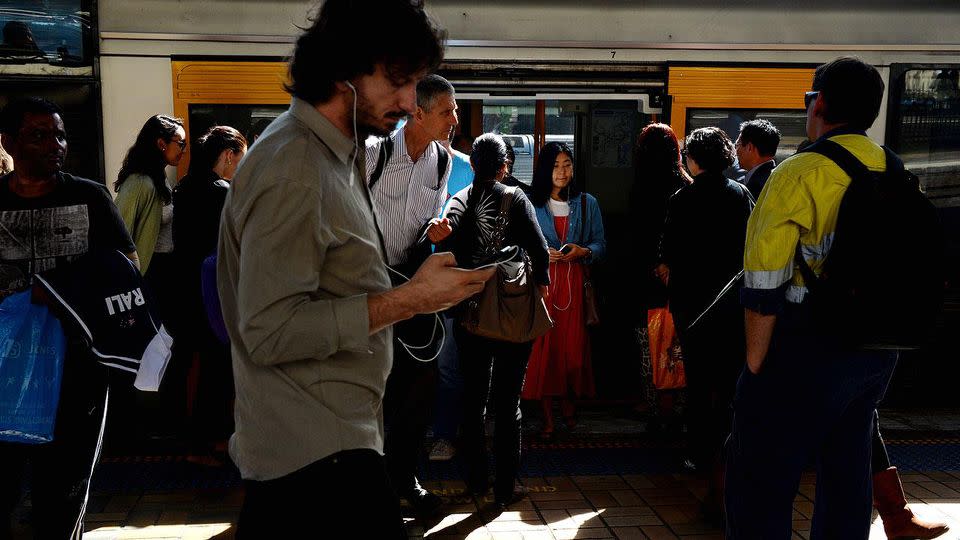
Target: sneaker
[
  {"x": 518, "y": 494},
  {"x": 443, "y": 450}
]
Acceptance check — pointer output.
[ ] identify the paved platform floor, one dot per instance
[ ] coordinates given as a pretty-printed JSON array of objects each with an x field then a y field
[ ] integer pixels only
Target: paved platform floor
[
  {"x": 608, "y": 478},
  {"x": 626, "y": 507}
]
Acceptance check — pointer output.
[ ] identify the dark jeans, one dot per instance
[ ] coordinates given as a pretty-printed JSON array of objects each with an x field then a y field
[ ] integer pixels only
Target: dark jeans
[
  {"x": 491, "y": 368},
  {"x": 448, "y": 409},
  {"x": 407, "y": 406},
  {"x": 60, "y": 470},
  {"x": 810, "y": 402},
  {"x": 345, "y": 495}
]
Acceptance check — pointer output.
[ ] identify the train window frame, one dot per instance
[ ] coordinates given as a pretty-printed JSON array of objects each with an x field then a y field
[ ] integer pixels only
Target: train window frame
[
  {"x": 214, "y": 82},
  {"x": 89, "y": 41},
  {"x": 728, "y": 87},
  {"x": 894, "y": 118}
]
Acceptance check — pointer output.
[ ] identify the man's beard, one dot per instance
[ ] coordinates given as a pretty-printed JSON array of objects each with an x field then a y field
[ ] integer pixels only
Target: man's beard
[{"x": 368, "y": 124}]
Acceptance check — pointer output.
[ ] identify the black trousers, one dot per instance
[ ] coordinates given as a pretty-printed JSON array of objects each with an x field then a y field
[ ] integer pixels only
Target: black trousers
[
  {"x": 345, "y": 495},
  {"x": 491, "y": 370},
  {"x": 411, "y": 389},
  {"x": 408, "y": 405},
  {"x": 713, "y": 353},
  {"x": 61, "y": 469}
]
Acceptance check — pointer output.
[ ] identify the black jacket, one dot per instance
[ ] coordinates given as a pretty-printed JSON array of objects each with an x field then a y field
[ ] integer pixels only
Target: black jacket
[
  {"x": 648, "y": 205},
  {"x": 759, "y": 179},
  {"x": 473, "y": 213},
  {"x": 703, "y": 241},
  {"x": 197, "y": 204}
]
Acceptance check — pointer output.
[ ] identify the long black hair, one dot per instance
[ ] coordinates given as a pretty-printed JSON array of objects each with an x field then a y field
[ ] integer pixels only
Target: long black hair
[
  {"x": 542, "y": 185},
  {"x": 206, "y": 150},
  {"x": 488, "y": 155},
  {"x": 145, "y": 158}
]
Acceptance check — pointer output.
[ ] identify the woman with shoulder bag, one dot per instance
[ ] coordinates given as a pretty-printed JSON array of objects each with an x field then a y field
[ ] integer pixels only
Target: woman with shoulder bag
[
  {"x": 572, "y": 224},
  {"x": 483, "y": 218}
]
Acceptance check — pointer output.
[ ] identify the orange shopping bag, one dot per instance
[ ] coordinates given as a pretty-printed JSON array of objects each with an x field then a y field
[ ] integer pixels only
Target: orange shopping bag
[{"x": 667, "y": 363}]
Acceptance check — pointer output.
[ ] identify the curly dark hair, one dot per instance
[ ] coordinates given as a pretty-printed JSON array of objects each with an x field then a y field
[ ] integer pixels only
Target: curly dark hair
[
  {"x": 711, "y": 148},
  {"x": 349, "y": 38},
  {"x": 542, "y": 184},
  {"x": 145, "y": 158}
]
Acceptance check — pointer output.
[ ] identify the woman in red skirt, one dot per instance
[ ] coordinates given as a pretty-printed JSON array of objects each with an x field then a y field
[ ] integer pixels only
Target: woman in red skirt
[{"x": 571, "y": 222}]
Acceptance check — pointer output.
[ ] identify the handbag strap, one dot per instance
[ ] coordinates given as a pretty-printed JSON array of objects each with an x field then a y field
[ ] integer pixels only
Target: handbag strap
[
  {"x": 583, "y": 227},
  {"x": 583, "y": 217},
  {"x": 503, "y": 217}
]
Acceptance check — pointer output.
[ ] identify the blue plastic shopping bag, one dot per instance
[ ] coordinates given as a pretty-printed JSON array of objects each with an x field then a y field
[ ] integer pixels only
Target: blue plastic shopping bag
[{"x": 32, "y": 348}]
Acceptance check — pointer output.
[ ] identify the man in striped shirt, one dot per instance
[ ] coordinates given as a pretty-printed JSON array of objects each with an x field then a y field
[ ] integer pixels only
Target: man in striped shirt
[{"x": 408, "y": 173}]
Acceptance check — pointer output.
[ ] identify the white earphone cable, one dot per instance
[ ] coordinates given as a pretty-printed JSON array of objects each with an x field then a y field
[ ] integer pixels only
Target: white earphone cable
[{"x": 437, "y": 322}]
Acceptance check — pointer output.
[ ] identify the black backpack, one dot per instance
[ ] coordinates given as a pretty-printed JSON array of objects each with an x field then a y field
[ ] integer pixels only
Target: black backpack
[
  {"x": 386, "y": 150},
  {"x": 883, "y": 277}
]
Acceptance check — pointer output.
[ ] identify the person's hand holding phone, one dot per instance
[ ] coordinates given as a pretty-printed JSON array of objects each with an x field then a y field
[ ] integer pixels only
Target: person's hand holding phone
[
  {"x": 572, "y": 252},
  {"x": 554, "y": 255}
]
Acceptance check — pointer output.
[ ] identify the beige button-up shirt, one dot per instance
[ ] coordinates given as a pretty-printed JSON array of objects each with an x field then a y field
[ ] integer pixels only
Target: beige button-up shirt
[{"x": 299, "y": 252}]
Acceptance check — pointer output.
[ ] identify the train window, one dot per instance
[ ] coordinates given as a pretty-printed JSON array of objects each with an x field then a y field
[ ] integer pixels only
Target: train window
[
  {"x": 928, "y": 131},
  {"x": 52, "y": 32},
  {"x": 561, "y": 123},
  {"x": 791, "y": 123},
  {"x": 250, "y": 120},
  {"x": 514, "y": 120}
]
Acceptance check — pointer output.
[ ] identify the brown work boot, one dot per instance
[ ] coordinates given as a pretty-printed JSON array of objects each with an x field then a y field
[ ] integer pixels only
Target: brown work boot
[{"x": 899, "y": 522}]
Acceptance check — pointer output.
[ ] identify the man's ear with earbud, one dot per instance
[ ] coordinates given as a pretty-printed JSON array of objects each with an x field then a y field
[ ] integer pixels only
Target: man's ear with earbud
[{"x": 343, "y": 86}]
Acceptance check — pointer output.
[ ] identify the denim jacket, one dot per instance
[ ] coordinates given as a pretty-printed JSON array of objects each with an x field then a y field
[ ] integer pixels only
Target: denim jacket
[{"x": 593, "y": 237}]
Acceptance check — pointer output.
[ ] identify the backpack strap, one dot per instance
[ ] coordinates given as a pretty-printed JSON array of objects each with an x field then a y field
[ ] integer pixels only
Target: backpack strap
[
  {"x": 383, "y": 156},
  {"x": 855, "y": 169},
  {"x": 442, "y": 159}
]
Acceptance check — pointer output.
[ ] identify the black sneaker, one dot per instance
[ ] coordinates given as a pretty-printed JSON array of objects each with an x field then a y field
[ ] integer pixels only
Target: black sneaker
[
  {"x": 423, "y": 502},
  {"x": 518, "y": 494}
]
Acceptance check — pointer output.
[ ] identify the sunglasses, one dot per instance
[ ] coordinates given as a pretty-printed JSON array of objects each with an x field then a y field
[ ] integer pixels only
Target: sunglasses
[{"x": 808, "y": 98}]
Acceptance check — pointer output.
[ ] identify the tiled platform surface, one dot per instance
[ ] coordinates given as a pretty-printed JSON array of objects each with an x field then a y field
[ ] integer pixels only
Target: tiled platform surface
[
  {"x": 611, "y": 506},
  {"x": 610, "y": 478}
]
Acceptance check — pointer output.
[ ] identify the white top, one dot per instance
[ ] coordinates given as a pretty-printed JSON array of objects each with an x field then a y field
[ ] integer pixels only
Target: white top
[
  {"x": 559, "y": 208},
  {"x": 165, "y": 238}
]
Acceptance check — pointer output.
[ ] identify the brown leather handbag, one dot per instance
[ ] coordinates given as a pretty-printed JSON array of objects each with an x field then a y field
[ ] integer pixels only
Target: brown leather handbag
[
  {"x": 510, "y": 307},
  {"x": 590, "y": 314}
]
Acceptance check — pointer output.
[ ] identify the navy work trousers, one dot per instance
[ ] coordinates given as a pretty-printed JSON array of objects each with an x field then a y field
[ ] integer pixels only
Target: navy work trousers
[{"x": 810, "y": 403}]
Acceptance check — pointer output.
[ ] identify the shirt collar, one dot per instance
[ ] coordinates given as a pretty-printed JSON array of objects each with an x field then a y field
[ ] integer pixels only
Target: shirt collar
[
  {"x": 842, "y": 130},
  {"x": 400, "y": 146},
  {"x": 749, "y": 174},
  {"x": 339, "y": 144}
]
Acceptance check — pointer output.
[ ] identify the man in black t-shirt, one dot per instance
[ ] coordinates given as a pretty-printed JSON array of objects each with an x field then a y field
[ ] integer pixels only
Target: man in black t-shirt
[{"x": 47, "y": 219}]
